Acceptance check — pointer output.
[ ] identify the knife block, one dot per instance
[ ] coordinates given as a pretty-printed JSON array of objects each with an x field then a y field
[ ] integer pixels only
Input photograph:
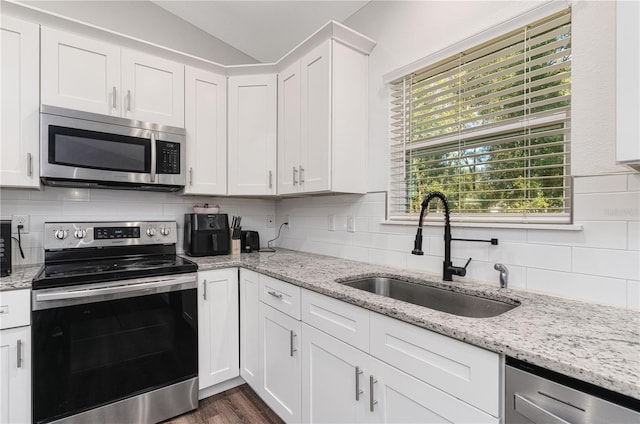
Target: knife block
[{"x": 235, "y": 244}]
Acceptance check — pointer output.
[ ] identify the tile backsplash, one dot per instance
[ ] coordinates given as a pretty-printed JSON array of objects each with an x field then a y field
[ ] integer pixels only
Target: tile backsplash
[
  {"x": 69, "y": 204},
  {"x": 599, "y": 263}
]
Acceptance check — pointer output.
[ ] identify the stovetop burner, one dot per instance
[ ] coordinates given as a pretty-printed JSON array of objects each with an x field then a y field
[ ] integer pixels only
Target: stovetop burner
[{"x": 92, "y": 252}]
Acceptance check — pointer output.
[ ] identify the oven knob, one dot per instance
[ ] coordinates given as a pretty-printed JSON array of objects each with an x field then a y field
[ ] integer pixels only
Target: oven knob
[
  {"x": 165, "y": 231},
  {"x": 151, "y": 231},
  {"x": 80, "y": 233},
  {"x": 61, "y": 234}
]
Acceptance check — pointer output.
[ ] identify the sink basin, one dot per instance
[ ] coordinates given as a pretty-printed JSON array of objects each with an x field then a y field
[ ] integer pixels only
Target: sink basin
[{"x": 443, "y": 300}]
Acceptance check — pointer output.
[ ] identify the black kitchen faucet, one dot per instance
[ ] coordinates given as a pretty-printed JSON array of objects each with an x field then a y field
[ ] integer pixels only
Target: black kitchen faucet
[{"x": 448, "y": 270}]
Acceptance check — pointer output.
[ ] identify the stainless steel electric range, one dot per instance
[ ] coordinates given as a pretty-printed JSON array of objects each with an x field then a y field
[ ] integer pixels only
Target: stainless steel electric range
[{"x": 114, "y": 324}]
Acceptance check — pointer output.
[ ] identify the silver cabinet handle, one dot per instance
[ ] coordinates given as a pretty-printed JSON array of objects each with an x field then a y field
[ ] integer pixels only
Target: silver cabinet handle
[
  {"x": 534, "y": 412},
  {"x": 275, "y": 294},
  {"x": 153, "y": 157},
  {"x": 114, "y": 98},
  {"x": 19, "y": 349},
  {"x": 301, "y": 174},
  {"x": 129, "y": 100},
  {"x": 190, "y": 176},
  {"x": 29, "y": 164},
  {"x": 372, "y": 402},
  {"x": 204, "y": 289},
  {"x": 292, "y": 349},
  {"x": 295, "y": 173},
  {"x": 270, "y": 179},
  {"x": 358, "y": 391}
]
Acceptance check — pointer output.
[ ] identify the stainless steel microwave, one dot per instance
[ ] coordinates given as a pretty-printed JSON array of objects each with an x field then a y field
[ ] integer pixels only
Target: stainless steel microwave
[{"x": 81, "y": 149}]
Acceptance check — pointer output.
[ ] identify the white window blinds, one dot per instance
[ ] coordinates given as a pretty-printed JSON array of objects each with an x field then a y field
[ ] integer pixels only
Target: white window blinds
[{"x": 490, "y": 128}]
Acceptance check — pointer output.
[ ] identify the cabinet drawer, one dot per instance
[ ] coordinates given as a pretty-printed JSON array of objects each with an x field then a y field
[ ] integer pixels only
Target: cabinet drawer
[
  {"x": 343, "y": 321},
  {"x": 15, "y": 308},
  {"x": 467, "y": 372},
  {"x": 282, "y": 296}
]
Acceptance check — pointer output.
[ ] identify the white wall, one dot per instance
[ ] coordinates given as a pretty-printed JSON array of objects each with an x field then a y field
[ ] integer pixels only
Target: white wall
[
  {"x": 148, "y": 22},
  {"x": 599, "y": 264},
  {"x": 69, "y": 204}
]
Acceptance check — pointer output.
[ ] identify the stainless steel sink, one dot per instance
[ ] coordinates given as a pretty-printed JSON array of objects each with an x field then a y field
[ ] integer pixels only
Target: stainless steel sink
[{"x": 455, "y": 303}]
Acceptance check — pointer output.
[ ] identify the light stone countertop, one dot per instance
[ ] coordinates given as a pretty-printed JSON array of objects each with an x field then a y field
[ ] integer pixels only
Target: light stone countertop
[{"x": 594, "y": 343}]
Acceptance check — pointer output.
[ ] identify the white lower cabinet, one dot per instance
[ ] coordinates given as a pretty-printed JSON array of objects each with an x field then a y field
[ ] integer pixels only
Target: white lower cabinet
[
  {"x": 334, "y": 379},
  {"x": 280, "y": 361},
  {"x": 250, "y": 369},
  {"x": 15, "y": 356},
  {"x": 218, "y": 344}
]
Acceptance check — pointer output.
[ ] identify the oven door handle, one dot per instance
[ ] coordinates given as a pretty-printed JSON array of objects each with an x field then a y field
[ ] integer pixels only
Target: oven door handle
[{"x": 142, "y": 287}]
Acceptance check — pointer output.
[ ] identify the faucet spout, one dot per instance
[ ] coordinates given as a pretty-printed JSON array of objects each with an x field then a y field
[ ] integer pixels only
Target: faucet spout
[{"x": 448, "y": 270}]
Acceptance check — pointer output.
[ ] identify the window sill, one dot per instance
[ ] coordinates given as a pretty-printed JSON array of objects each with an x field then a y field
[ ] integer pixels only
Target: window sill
[{"x": 510, "y": 225}]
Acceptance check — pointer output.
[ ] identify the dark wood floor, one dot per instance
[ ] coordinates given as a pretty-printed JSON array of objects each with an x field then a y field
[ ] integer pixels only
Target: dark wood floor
[{"x": 235, "y": 406}]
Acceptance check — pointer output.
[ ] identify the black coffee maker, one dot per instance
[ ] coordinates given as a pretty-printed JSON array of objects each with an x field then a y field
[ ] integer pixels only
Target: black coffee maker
[{"x": 206, "y": 234}]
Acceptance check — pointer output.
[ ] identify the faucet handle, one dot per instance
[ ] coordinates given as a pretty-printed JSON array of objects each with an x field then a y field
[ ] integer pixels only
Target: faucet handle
[
  {"x": 460, "y": 271},
  {"x": 467, "y": 264}
]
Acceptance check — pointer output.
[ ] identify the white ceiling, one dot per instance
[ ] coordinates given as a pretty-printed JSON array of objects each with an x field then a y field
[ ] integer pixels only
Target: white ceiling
[{"x": 264, "y": 30}]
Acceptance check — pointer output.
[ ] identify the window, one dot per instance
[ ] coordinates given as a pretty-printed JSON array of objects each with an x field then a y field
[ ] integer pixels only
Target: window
[{"x": 490, "y": 128}]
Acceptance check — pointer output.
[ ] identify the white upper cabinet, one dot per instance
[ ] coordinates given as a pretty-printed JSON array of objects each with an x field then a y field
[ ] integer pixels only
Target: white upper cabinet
[
  {"x": 90, "y": 75},
  {"x": 627, "y": 84},
  {"x": 206, "y": 125},
  {"x": 153, "y": 88},
  {"x": 19, "y": 126},
  {"x": 80, "y": 73},
  {"x": 252, "y": 113},
  {"x": 322, "y": 116}
]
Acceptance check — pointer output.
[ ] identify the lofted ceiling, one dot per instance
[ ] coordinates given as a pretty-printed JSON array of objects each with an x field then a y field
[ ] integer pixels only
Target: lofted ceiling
[{"x": 265, "y": 30}]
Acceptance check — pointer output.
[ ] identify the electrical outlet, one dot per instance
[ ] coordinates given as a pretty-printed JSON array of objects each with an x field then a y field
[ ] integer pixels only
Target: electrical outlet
[
  {"x": 287, "y": 218},
  {"x": 351, "y": 224},
  {"x": 270, "y": 221},
  {"x": 332, "y": 223},
  {"x": 20, "y": 220}
]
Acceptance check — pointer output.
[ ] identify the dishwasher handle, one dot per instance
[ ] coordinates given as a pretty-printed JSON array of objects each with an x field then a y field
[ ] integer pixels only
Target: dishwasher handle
[{"x": 534, "y": 412}]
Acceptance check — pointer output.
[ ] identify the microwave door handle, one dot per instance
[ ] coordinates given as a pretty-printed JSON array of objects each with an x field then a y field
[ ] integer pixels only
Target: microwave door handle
[{"x": 153, "y": 157}]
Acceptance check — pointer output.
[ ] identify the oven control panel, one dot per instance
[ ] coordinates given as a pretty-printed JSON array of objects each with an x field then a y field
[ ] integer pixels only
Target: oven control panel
[{"x": 68, "y": 235}]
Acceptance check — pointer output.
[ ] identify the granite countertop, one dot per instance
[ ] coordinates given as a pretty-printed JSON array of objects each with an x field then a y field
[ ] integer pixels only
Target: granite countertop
[{"x": 594, "y": 343}]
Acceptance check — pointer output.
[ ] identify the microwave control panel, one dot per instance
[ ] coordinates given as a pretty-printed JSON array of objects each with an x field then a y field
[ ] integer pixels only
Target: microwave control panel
[{"x": 168, "y": 159}]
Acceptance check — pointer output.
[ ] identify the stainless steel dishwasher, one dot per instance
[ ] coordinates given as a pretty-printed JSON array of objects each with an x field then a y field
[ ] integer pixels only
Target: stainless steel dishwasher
[{"x": 537, "y": 395}]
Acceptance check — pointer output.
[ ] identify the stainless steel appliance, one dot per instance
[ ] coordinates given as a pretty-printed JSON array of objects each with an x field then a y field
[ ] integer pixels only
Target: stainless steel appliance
[
  {"x": 114, "y": 324},
  {"x": 537, "y": 395},
  {"x": 206, "y": 234},
  {"x": 81, "y": 149},
  {"x": 5, "y": 248}
]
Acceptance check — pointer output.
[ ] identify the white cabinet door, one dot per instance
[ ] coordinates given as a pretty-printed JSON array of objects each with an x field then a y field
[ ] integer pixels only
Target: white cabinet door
[
  {"x": 15, "y": 369},
  {"x": 152, "y": 88},
  {"x": 19, "y": 126},
  {"x": 250, "y": 329},
  {"x": 627, "y": 84},
  {"x": 397, "y": 397},
  {"x": 316, "y": 119},
  {"x": 280, "y": 357},
  {"x": 289, "y": 129},
  {"x": 218, "y": 344},
  {"x": 80, "y": 73},
  {"x": 252, "y": 115},
  {"x": 334, "y": 377},
  {"x": 206, "y": 125}
]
